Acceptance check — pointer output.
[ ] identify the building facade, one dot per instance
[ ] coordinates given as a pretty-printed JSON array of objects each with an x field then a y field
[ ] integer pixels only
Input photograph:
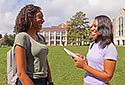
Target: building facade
[
  {"x": 119, "y": 28},
  {"x": 55, "y": 35}
]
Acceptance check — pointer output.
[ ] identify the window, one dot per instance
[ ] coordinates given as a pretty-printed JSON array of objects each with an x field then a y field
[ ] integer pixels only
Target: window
[
  {"x": 118, "y": 42},
  {"x": 120, "y": 26},
  {"x": 52, "y": 38},
  {"x": 63, "y": 38},
  {"x": 57, "y": 33},
  {"x": 58, "y": 37},
  {"x": 46, "y": 33},
  {"x": 41, "y": 32},
  {"x": 52, "y": 33},
  {"x": 52, "y": 42},
  {"x": 57, "y": 42},
  {"x": 63, "y": 33},
  {"x": 123, "y": 42},
  {"x": 47, "y": 38}
]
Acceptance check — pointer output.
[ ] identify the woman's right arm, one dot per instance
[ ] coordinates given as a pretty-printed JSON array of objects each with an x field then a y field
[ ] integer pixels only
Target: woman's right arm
[{"x": 20, "y": 53}]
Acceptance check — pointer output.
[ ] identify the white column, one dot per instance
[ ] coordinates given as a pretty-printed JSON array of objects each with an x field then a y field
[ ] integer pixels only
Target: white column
[
  {"x": 71, "y": 44},
  {"x": 77, "y": 40},
  {"x": 60, "y": 37},
  {"x": 82, "y": 42},
  {"x": 49, "y": 39},
  {"x": 54, "y": 38},
  {"x": 66, "y": 39},
  {"x": 43, "y": 33}
]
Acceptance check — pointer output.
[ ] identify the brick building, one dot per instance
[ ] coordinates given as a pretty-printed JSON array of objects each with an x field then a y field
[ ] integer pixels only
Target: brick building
[{"x": 55, "y": 35}]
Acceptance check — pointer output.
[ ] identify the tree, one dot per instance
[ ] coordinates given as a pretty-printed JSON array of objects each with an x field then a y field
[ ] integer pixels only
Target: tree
[
  {"x": 0, "y": 36},
  {"x": 78, "y": 29},
  {"x": 11, "y": 39},
  {"x": 88, "y": 37},
  {"x": 5, "y": 40},
  {"x": 8, "y": 40}
]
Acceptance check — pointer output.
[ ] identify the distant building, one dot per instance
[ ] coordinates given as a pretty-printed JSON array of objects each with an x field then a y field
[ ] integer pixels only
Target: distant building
[
  {"x": 55, "y": 35},
  {"x": 119, "y": 28}
]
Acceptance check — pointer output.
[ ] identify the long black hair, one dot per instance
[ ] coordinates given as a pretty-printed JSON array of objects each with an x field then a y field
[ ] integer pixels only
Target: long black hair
[
  {"x": 24, "y": 17},
  {"x": 105, "y": 31}
]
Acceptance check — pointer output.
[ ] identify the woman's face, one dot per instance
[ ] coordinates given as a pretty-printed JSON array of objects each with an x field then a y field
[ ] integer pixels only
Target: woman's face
[
  {"x": 94, "y": 28},
  {"x": 39, "y": 20}
]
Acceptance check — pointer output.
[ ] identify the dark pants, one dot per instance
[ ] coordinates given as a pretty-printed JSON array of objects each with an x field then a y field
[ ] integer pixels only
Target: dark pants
[{"x": 41, "y": 81}]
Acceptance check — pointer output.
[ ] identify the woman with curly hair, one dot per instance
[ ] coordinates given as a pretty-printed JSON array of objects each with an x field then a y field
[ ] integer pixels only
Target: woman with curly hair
[
  {"x": 31, "y": 55},
  {"x": 102, "y": 55}
]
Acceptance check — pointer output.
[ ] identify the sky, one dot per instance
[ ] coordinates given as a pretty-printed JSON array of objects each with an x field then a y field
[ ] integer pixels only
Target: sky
[{"x": 57, "y": 11}]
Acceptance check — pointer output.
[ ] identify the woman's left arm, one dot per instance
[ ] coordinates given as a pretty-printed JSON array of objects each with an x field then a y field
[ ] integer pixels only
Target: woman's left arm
[
  {"x": 109, "y": 67},
  {"x": 49, "y": 73}
]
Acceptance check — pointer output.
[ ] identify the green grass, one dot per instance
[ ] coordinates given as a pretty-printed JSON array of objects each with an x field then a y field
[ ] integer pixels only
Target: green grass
[
  {"x": 63, "y": 68},
  {"x": 119, "y": 75},
  {"x": 3, "y": 74}
]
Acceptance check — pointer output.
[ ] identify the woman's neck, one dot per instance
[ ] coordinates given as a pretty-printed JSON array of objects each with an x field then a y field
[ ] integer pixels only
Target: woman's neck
[
  {"x": 31, "y": 32},
  {"x": 33, "y": 35}
]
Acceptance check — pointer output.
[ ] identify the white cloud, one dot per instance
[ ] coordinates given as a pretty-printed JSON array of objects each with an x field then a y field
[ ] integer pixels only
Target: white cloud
[
  {"x": 53, "y": 20},
  {"x": 57, "y": 11},
  {"x": 8, "y": 12},
  {"x": 93, "y": 2},
  {"x": 7, "y": 16}
]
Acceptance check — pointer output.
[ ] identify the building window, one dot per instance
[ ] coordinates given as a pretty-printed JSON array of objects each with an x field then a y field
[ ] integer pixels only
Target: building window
[
  {"x": 41, "y": 32},
  {"x": 47, "y": 38},
  {"x": 52, "y": 38},
  {"x": 57, "y": 33},
  {"x": 63, "y": 33},
  {"x": 52, "y": 42},
  {"x": 63, "y": 38},
  {"x": 46, "y": 33},
  {"x": 123, "y": 42},
  {"x": 52, "y": 33},
  {"x": 58, "y": 37},
  {"x": 118, "y": 42},
  {"x": 57, "y": 43},
  {"x": 120, "y": 26}
]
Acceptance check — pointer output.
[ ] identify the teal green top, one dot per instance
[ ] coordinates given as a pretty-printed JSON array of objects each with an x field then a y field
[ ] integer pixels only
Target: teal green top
[{"x": 36, "y": 55}]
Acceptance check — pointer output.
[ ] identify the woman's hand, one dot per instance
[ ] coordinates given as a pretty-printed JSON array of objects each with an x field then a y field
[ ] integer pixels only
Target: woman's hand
[
  {"x": 80, "y": 63},
  {"x": 49, "y": 75},
  {"x": 79, "y": 55}
]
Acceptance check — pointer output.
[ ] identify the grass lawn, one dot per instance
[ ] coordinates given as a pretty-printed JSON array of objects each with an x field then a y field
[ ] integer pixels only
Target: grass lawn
[{"x": 63, "y": 68}]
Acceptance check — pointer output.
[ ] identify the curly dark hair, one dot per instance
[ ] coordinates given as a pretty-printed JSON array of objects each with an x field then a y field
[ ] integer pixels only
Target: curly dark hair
[
  {"x": 105, "y": 31},
  {"x": 22, "y": 23}
]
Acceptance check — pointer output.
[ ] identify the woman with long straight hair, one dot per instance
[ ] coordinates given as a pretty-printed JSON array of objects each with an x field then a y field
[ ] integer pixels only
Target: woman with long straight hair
[{"x": 102, "y": 55}]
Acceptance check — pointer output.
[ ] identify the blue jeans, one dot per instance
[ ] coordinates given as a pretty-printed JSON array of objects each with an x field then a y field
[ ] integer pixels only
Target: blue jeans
[{"x": 41, "y": 81}]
